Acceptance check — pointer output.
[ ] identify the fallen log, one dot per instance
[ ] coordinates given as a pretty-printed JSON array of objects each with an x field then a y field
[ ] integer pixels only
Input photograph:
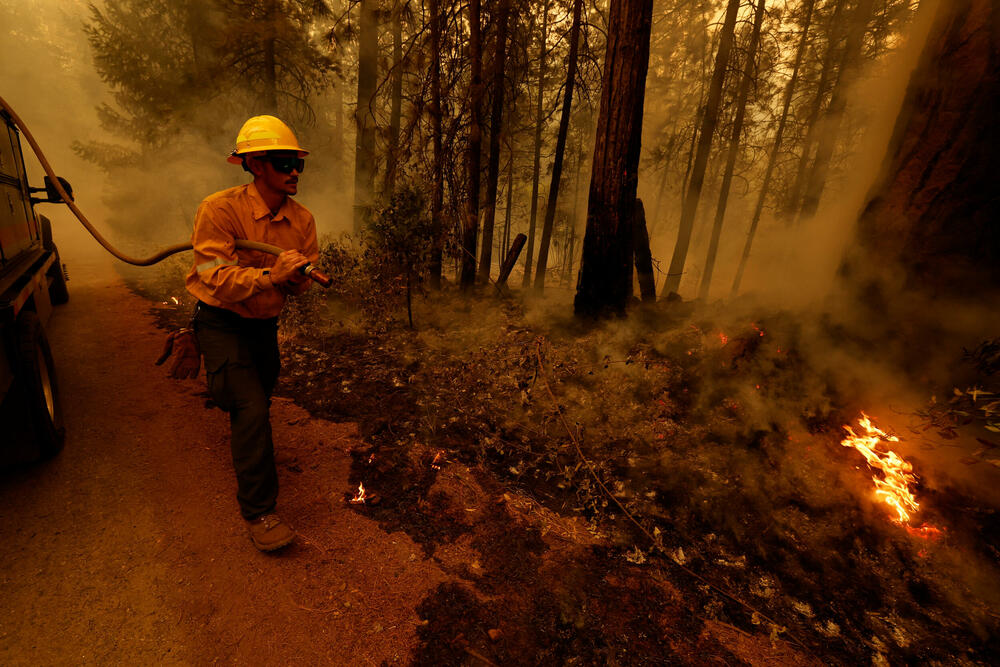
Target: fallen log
[{"x": 511, "y": 259}]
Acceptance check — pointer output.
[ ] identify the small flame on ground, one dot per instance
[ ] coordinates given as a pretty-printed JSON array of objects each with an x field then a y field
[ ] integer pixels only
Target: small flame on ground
[
  {"x": 926, "y": 531},
  {"x": 724, "y": 338},
  {"x": 371, "y": 459},
  {"x": 895, "y": 486},
  {"x": 438, "y": 460},
  {"x": 359, "y": 497},
  {"x": 175, "y": 300}
]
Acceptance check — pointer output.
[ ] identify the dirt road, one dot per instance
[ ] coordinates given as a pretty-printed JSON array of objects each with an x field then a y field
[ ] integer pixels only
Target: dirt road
[{"x": 128, "y": 548}]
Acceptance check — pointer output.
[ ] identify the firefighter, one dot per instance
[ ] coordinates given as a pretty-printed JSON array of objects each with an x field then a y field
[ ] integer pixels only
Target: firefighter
[{"x": 240, "y": 295}]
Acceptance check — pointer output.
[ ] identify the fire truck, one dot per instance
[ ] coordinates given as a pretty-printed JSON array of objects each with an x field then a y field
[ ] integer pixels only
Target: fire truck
[{"x": 32, "y": 281}]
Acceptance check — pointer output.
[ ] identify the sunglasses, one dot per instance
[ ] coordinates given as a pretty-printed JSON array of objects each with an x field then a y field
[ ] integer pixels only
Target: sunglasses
[{"x": 286, "y": 164}]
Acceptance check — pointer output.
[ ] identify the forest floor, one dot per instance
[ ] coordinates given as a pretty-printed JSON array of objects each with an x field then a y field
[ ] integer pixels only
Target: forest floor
[{"x": 666, "y": 489}]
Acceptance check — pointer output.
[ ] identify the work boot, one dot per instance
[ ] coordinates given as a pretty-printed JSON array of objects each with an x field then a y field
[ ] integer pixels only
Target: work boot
[{"x": 268, "y": 532}]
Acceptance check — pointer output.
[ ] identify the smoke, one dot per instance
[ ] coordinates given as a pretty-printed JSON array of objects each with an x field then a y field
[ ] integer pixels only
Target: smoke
[
  {"x": 796, "y": 266},
  {"x": 48, "y": 78}
]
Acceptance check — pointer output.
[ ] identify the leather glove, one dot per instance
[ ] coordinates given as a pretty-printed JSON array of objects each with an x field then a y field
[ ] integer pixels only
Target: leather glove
[{"x": 187, "y": 357}]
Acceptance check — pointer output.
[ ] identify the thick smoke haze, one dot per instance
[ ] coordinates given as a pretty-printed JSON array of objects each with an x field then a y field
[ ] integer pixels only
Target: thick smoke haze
[{"x": 49, "y": 78}]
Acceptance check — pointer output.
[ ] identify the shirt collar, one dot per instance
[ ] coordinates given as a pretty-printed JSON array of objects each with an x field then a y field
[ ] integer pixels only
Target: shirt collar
[{"x": 260, "y": 209}]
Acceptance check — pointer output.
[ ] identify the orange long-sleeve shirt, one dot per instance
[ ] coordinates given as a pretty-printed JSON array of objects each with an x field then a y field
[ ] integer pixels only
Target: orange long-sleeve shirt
[{"x": 234, "y": 279}]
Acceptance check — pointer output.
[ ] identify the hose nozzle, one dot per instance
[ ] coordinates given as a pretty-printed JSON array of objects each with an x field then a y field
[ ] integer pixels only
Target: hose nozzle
[{"x": 317, "y": 275}]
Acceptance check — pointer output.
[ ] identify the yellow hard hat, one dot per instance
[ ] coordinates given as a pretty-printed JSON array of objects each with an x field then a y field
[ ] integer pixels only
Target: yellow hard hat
[{"x": 264, "y": 133}]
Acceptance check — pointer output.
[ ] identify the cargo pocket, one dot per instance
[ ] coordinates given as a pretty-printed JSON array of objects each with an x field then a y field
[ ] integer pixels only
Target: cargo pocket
[{"x": 215, "y": 375}]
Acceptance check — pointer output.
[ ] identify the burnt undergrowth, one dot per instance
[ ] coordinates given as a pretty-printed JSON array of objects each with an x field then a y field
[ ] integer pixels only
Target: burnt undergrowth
[{"x": 711, "y": 459}]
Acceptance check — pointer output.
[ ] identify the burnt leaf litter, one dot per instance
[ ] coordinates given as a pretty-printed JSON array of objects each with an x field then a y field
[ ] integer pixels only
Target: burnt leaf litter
[{"x": 757, "y": 538}]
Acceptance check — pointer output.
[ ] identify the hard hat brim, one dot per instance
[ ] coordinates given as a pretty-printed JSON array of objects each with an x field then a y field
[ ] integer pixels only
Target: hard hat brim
[{"x": 237, "y": 157}]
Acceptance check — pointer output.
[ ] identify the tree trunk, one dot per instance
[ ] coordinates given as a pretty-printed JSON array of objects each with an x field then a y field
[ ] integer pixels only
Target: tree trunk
[
  {"x": 396, "y": 111},
  {"x": 364, "y": 114},
  {"x": 699, "y": 116},
  {"x": 550, "y": 209},
  {"x": 337, "y": 176},
  {"x": 535, "y": 173},
  {"x": 437, "y": 193},
  {"x": 510, "y": 259},
  {"x": 510, "y": 203},
  {"x": 772, "y": 159},
  {"x": 676, "y": 270},
  {"x": 734, "y": 149},
  {"x": 936, "y": 210},
  {"x": 833, "y": 37},
  {"x": 270, "y": 77},
  {"x": 605, "y": 283},
  {"x": 496, "y": 127},
  {"x": 643, "y": 258},
  {"x": 571, "y": 252},
  {"x": 835, "y": 112},
  {"x": 470, "y": 223}
]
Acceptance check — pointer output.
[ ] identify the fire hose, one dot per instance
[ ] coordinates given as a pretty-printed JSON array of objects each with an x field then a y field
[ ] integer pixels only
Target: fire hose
[{"x": 309, "y": 270}]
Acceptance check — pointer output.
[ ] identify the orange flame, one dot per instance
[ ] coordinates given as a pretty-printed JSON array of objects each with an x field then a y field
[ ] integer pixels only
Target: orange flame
[
  {"x": 360, "y": 496},
  {"x": 438, "y": 460},
  {"x": 175, "y": 300},
  {"x": 897, "y": 473},
  {"x": 926, "y": 531}
]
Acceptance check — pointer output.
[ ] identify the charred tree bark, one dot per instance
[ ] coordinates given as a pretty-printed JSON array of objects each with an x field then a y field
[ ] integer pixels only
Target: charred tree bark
[
  {"x": 437, "y": 194},
  {"x": 936, "y": 211},
  {"x": 496, "y": 130},
  {"x": 364, "y": 114},
  {"x": 643, "y": 257},
  {"x": 835, "y": 112},
  {"x": 396, "y": 92},
  {"x": 470, "y": 223},
  {"x": 550, "y": 209},
  {"x": 605, "y": 283},
  {"x": 693, "y": 194},
  {"x": 772, "y": 159},
  {"x": 535, "y": 173},
  {"x": 734, "y": 149},
  {"x": 511, "y": 259}
]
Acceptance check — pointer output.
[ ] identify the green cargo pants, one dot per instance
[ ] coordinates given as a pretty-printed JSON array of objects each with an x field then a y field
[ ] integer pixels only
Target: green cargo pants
[{"x": 242, "y": 364}]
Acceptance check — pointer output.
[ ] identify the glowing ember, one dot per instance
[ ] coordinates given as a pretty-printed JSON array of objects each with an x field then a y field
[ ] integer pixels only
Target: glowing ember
[
  {"x": 359, "y": 497},
  {"x": 724, "y": 338},
  {"x": 926, "y": 531},
  {"x": 175, "y": 300},
  {"x": 438, "y": 460},
  {"x": 894, "y": 489}
]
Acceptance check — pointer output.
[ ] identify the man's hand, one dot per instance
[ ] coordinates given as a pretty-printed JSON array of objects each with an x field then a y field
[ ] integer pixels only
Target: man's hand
[{"x": 286, "y": 269}]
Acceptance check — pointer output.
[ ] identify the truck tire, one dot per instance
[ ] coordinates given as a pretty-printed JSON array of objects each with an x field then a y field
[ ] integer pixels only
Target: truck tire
[
  {"x": 39, "y": 388},
  {"x": 58, "y": 292}
]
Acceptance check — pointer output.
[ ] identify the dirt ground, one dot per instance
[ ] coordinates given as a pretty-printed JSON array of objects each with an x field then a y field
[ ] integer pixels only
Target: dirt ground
[{"x": 128, "y": 547}]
